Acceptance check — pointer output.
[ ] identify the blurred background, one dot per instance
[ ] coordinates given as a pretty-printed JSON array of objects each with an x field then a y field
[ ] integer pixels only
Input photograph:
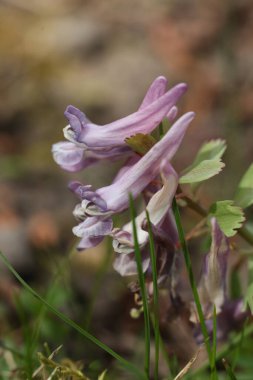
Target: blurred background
[{"x": 101, "y": 56}]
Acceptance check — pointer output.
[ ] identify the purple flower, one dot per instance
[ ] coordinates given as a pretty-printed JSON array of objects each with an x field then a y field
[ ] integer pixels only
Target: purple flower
[
  {"x": 71, "y": 157},
  {"x": 90, "y": 142},
  {"x": 157, "y": 207},
  {"x": 155, "y": 106},
  {"x": 133, "y": 178},
  {"x": 212, "y": 285},
  {"x": 114, "y": 198},
  {"x": 92, "y": 231}
]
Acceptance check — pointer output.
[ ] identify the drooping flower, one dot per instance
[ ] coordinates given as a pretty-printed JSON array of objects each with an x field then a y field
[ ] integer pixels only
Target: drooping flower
[
  {"x": 71, "y": 157},
  {"x": 115, "y": 198},
  {"x": 157, "y": 207},
  {"x": 212, "y": 285},
  {"x": 94, "y": 137},
  {"x": 133, "y": 178},
  {"x": 89, "y": 142},
  {"x": 92, "y": 231}
]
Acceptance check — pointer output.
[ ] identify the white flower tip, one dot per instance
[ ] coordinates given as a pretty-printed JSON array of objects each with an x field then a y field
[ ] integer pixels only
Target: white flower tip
[{"x": 68, "y": 133}]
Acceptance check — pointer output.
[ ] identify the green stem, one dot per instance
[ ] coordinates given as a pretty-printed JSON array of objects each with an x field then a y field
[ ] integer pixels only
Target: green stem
[
  {"x": 138, "y": 258},
  {"x": 246, "y": 235},
  {"x": 156, "y": 296},
  {"x": 192, "y": 280}
]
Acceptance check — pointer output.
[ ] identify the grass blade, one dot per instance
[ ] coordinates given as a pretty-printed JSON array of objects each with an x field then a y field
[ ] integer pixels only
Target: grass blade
[
  {"x": 127, "y": 365},
  {"x": 142, "y": 288},
  {"x": 187, "y": 259},
  {"x": 156, "y": 296}
]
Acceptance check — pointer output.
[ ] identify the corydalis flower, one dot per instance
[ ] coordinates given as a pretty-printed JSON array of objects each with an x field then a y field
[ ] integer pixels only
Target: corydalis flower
[
  {"x": 71, "y": 157},
  {"x": 157, "y": 207},
  {"x": 115, "y": 198},
  {"x": 89, "y": 142},
  {"x": 155, "y": 106},
  {"x": 133, "y": 178},
  {"x": 212, "y": 285}
]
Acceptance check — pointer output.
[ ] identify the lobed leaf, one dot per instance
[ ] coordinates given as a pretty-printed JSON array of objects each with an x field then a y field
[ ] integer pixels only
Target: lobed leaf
[
  {"x": 202, "y": 171},
  {"x": 244, "y": 193},
  {"x": 229, "y": 217},
  {"x": 206, "y": 164},
  {"x": 210, "y": 150}
]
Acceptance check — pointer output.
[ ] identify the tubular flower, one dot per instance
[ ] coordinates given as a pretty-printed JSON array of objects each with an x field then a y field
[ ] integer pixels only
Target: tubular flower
[
  {"x": 212, "y": 285},
  {"x": 93, "y": 137},
  {"x": 89, "y": 142},
  {"x": 157, "y": 207},
  {"x": 70, "y": 156},
  {"x": 134, "y": 179}
]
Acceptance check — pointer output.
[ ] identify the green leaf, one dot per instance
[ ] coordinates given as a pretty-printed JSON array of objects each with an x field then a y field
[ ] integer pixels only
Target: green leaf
[
  {"x": 140, "y": 143},
  {"x": 244, "y": 193},
  {"x": 229, "y": 217},
  {"x": 202, "y": 171},
  {"x": 210, "y": 150},
  {"x": 206, "y": 164}
]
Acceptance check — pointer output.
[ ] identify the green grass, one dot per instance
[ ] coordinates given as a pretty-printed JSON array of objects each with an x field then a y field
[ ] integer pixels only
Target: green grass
[{"x": 126, "y": 364}]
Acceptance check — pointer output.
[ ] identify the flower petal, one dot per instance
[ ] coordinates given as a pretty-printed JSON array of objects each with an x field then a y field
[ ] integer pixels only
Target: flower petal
[
  {"x": 125, "y": 265},
  {"x": 70, "y": 157},
  {"x": 157, "y": 208},
  {"x": 73, "y": 158},
  {"x": 172, "y": 114},
  {"x": 92, "y": 231},
  {"x": 136, "y": 177},
  {"x": 146, "y": 169},
  {"x": 155, "y": 91},
  {"x": 212, "y": 286},
  {"x": 94, "y": 137}
]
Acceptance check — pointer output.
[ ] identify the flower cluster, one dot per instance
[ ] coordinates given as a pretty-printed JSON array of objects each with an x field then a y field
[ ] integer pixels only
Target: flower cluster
[
  {"x": 88, "y": 143},
  {"x": 150, "y": 175}
]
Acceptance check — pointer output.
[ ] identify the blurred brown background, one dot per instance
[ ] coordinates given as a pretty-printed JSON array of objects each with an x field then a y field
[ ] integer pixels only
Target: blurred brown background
[{"x": 101, "y": 57}]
